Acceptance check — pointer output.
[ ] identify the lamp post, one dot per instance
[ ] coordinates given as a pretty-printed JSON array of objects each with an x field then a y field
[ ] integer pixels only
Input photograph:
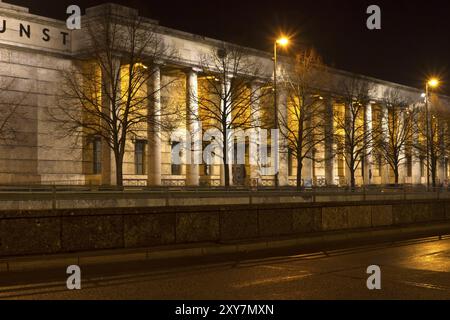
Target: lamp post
[
  {"x": 432, "y": 83},
  {"x": 283, "y": 42}
]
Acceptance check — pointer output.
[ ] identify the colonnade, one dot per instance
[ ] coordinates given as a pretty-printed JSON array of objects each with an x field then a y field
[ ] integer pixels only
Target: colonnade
[{"x": 330, "y": 173}]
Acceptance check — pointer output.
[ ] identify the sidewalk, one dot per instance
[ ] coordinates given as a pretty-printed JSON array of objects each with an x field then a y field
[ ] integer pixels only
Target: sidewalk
[{"x": 322, "y": 241}]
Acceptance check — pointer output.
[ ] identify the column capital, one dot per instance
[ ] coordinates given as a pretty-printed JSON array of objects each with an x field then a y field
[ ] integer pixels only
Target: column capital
[
  {"x": 158, "y": 62},
  {"x": 155, "y": 70},
  {"x": 327, "y": 96},
  {"x": 189, "y": 70},
  {"x": 258, "y": 82},
  {"x": 254, "y": 86},
  {"x": 196, "y": 69}
]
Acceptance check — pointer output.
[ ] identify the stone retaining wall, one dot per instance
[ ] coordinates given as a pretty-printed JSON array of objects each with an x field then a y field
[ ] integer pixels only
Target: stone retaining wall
[{"x": 59, "y": 231}]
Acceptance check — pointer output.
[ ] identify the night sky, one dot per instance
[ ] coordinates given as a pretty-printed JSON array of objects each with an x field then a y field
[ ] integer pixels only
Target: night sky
[{"x": 414, "y": 41}]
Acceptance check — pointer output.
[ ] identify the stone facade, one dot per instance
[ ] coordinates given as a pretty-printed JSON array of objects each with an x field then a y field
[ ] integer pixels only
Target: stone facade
[{"x": 34, "y": 50}]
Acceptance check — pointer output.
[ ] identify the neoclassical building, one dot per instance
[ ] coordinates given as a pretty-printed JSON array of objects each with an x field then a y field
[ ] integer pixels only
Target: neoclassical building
[{"x": 34, "y": 50}]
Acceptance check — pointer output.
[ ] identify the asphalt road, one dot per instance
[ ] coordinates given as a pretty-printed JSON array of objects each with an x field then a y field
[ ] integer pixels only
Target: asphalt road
[{"x": 418, "y": 269}]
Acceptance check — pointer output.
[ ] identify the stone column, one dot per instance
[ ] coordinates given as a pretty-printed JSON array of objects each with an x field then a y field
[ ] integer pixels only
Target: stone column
[
  {"x": 283, "y": 174},
  {"x": 403, "y": 170},
  {"x": 153, "y": 129},
  {"x": 348, "y": 124},
  {"x": 416, "y": 177},
  {"x": 230, "y": 147},
  {"x": 194, "y": 129},
  {"x": 255, "y": 138},
  {"x": 307, "y": 170},
  {"x": 441, "y": 174},
  {"x": 329, "y": 142},
  {"x": 108, "y": 159},
  {"x": 385, "y": 172},
  {"x": 368, "y": 127}
]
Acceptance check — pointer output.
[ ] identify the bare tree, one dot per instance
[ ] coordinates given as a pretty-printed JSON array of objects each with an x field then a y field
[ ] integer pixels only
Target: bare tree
[
  {"x": 228, "y": 96},
  {"x": 399, "y": 130},
  {"x": 433, "y": 136},
  {"x": 351, "y": 137},
  {"x": 106, "y": 95},
  {"x": 300, "y": 127}
]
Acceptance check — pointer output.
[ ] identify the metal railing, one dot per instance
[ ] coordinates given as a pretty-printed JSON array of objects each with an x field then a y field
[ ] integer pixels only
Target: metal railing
[
  {"x": 81, "y": 186},
  {"x": 24, "y": 192}
]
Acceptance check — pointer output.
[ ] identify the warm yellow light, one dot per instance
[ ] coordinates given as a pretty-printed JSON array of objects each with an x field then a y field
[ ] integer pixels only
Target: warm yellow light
[
  {"x": 140, "y": 65},
  {"x": 433, "y": 82},
  {"x": 283, "y": 41}
]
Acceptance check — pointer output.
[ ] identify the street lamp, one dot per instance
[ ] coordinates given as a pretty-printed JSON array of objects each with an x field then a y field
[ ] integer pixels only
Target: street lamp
[
  {"x": 283, "y": 42},
  {"x": 431, "y": 83}
]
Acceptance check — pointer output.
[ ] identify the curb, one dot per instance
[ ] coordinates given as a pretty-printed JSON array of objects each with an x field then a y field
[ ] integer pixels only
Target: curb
[{"x": 153, "y": 254}]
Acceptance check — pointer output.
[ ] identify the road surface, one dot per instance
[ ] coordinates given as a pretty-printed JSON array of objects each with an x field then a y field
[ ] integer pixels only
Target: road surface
[{"x": 417, "y": 269}]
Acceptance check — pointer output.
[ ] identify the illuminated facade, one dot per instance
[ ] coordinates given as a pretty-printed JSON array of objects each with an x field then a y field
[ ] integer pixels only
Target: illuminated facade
[{"x": 33, "y": 50}]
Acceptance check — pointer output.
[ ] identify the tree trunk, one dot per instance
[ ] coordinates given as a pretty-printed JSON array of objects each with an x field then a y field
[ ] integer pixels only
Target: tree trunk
[
  {"x": 119, "y": 168},
  {"x": 433, "y": 173},
  {"x": 397, "y": 176},
  {"x": 226, "y": 168},
  {"x": 353, "y": 181},
  {"x": 227, "y": 175},
  {"x": 299, "y": 174},
  {"x": 352, "y": 174}
]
